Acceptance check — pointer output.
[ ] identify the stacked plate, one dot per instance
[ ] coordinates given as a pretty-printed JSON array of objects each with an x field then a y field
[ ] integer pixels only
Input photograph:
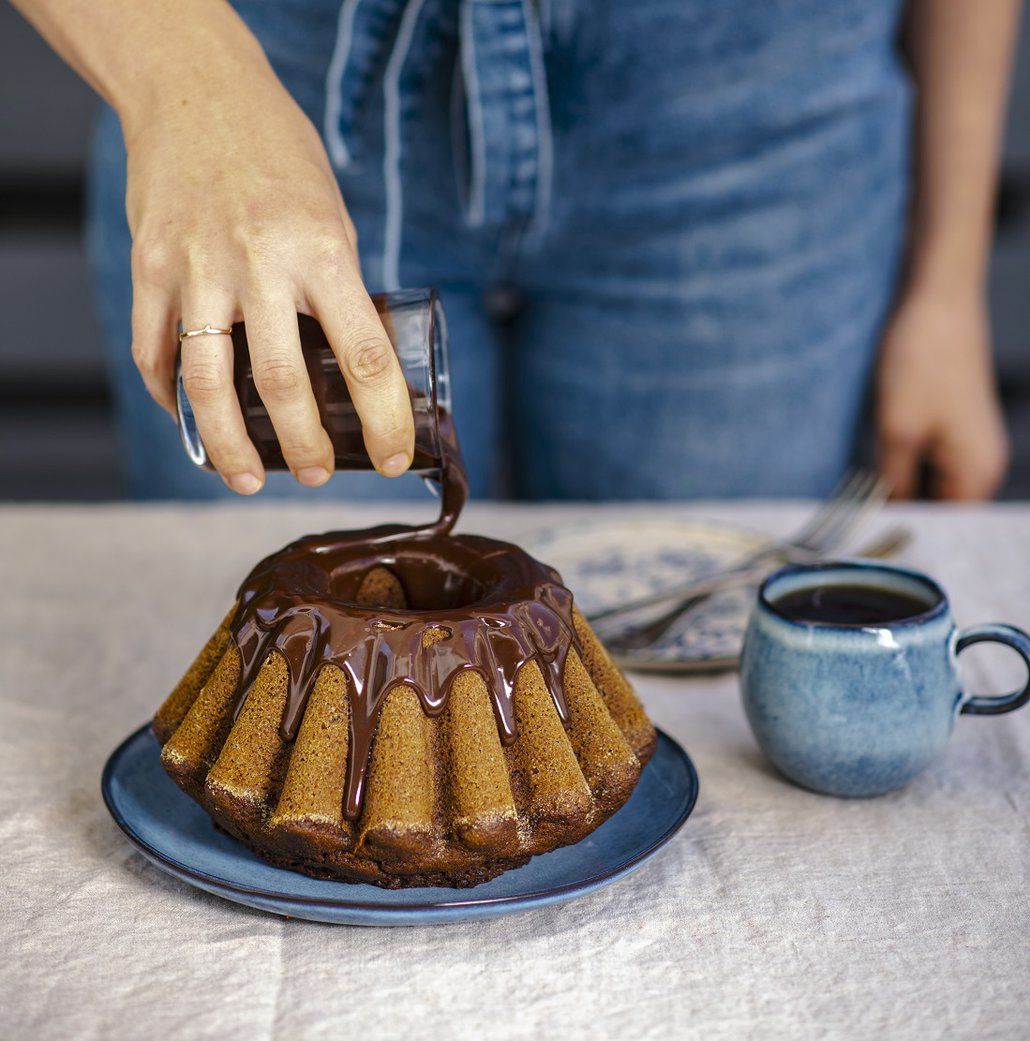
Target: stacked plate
[{"x": 610, "y": 563}]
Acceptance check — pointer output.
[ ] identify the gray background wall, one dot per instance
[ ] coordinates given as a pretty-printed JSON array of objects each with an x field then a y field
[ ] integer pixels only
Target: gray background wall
[{"x": 57, "y": 439}]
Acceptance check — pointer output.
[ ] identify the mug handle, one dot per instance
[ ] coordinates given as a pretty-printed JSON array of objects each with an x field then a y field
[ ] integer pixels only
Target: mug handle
[{"x": 1019, "y": 641}]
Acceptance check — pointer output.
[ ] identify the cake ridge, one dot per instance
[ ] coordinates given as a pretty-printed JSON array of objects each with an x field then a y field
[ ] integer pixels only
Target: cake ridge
[{"x": 302, "y": 603}]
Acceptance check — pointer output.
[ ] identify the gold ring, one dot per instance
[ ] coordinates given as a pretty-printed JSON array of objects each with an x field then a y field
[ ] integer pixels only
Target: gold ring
[{"x": 207, "y": 330}]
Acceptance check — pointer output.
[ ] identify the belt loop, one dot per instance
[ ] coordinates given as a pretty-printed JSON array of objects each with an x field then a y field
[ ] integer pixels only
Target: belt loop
[
  {"x": 338, "y": 151},
  {"x": 459, "y": 131},
  {"x": 508, "y": 114},
  {"x": 474, "y": 101},
  {"x": 542, "y": 101}
]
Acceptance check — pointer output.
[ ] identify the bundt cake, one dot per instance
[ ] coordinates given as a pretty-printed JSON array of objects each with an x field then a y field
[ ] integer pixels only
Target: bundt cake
[{"x": 405, "y": 709}]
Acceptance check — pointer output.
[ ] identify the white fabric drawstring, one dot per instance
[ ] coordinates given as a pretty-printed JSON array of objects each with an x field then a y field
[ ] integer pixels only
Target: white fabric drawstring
[
  {"x": 392, "y": 150},
  {"x": 338, "y": 151}
]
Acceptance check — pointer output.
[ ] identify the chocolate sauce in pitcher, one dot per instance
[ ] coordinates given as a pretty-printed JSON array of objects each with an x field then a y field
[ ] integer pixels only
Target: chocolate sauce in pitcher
[
  {"x": 437, "y": 455},
  {"x": 336, "y": 410},
  {"x": 472, "y": 602}
]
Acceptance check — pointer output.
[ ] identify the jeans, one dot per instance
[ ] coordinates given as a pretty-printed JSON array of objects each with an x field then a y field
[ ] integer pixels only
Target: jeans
[{"x": 692, "y": 213}]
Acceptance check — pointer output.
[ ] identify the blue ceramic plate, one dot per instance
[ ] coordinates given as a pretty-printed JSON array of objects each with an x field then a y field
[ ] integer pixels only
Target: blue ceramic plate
[{"x": 174, "y": 833}]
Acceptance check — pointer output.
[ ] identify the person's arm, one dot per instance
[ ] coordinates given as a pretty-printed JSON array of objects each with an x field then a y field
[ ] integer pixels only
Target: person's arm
[
  {"x": 937, "y": 403},
  {"x": 235, "y": 214}
]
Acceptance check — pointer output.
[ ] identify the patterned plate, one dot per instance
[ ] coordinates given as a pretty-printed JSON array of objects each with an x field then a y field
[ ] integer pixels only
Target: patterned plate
[
  {"x": 606, "y": 563},
  {"x": 175, "y": 834}
]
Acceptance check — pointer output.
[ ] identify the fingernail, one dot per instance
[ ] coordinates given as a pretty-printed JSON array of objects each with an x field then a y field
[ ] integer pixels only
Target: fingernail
[
  {"x": 312, "y": 475},
  {"x": 245, "y": 483},
  {"x": 395, "y": 465}
]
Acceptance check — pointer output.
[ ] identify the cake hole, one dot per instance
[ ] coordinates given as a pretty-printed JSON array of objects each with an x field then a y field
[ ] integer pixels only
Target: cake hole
[
  {"x": 419, "y": 582},
  {"x": 380, "y": 587}
]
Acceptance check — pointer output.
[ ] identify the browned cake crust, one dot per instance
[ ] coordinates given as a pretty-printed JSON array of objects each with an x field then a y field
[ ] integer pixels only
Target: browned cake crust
[{"x": 447, "y": 803}]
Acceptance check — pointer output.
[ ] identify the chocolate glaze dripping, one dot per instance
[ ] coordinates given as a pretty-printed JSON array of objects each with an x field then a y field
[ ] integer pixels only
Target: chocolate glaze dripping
[{"x": 492, "y": 608}]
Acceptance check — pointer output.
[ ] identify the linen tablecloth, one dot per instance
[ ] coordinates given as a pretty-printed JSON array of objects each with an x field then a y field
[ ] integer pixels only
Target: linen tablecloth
[{"x": 776, "y": 913}]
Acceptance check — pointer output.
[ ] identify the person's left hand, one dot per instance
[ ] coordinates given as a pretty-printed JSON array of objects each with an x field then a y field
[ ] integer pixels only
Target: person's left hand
[{"x": 937, "y": 404}]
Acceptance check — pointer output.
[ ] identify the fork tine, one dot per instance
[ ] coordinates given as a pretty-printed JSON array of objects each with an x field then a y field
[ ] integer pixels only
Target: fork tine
[
  {"x": 817, "y": 518},
  {"x": 841, "y": 518},
  {"x": 858, "y": 492},
  {"x": 841, "y": 496},
  {"x": 867, "y": 497},
  {"x": 873, "y": 501}
]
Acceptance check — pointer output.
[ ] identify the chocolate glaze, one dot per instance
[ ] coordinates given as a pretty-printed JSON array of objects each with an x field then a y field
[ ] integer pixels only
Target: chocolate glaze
[
  {"x": 332, "y": 397},
  {"x": 450, "y": 475},
  {"x": 488, "y": 605},
  {"x": 475, "y": 603}
]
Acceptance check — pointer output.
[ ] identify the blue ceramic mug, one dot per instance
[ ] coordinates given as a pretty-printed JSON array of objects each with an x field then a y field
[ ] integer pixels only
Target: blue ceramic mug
[{"x": 858, "y": 708}]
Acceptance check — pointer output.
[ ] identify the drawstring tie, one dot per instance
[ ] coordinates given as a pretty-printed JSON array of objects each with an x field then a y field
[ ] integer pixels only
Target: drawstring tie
[{"x": 504, "y": 85}]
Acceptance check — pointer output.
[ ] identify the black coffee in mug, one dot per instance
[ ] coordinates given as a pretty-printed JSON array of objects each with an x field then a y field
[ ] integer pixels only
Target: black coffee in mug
[{"x": 853, "y": 604}]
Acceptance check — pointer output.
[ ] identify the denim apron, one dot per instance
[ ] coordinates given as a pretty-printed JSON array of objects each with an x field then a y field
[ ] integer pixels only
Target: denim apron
[{"x": 690, "y": 211}]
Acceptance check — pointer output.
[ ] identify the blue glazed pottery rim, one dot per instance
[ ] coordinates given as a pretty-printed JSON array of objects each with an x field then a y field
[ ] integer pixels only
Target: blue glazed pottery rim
[
  {"x": 939, "y": 607},
  {"x": 204, "y": 880}
]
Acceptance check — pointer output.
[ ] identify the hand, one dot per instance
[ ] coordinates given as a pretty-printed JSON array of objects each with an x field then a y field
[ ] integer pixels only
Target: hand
[
  {"x": 937, "y": 405},
  {"x": 235, "y": 214}
]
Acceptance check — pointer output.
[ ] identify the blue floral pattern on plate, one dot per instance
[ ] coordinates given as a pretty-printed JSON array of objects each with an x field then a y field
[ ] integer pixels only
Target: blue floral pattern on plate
[{"x": 606, "y": 563}]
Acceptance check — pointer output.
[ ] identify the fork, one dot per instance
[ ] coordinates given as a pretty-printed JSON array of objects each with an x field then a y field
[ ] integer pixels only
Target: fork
[
  {"x": 893, "y": 541},
  {"x": 859, "y": 494}
]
